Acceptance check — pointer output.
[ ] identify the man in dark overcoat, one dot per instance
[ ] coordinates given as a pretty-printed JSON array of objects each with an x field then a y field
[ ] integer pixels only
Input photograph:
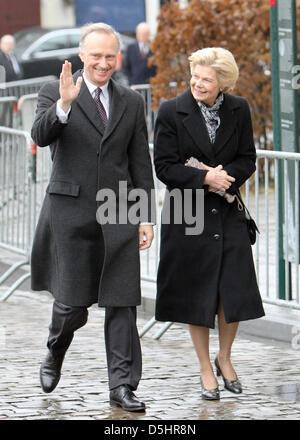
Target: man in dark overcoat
[
  {"x": 13, "y": 70},
  {"x": 135, "y": 64},
  {"x": 98, "y": 139}
]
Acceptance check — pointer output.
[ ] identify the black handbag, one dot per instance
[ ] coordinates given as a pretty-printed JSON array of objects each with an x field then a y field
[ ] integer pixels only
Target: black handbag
[{"x": 251, "y": 225}]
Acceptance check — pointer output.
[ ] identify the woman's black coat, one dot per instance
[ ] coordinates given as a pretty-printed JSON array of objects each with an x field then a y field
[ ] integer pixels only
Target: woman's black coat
[{"x": 196, "y": 271}]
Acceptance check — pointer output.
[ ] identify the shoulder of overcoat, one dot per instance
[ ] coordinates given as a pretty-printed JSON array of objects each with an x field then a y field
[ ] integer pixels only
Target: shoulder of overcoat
[{"x": 126, "y": 92}]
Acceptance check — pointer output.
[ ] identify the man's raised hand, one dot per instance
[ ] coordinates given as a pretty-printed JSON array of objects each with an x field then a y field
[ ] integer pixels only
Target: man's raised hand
[{"x": 67, "y": 88}]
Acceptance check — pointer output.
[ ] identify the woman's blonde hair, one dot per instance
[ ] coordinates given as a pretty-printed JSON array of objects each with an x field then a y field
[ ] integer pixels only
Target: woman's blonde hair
[{"x": 222, "y": 61}]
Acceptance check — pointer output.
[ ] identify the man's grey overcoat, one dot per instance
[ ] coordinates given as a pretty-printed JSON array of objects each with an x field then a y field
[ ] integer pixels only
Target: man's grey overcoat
[
  {"x": 74, "y": 257},
  {"x": 196, "y": 271}
]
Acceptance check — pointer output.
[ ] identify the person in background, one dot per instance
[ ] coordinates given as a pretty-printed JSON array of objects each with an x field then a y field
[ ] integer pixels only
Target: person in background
[
  {"x": 13, "y": 71},
  {"x": 135, "y": 64},
  {"x": 212, "y": 273}
]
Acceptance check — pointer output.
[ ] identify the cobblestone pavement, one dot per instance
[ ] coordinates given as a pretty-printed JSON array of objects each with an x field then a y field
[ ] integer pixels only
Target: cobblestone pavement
[{"x": 170, "y": 386}]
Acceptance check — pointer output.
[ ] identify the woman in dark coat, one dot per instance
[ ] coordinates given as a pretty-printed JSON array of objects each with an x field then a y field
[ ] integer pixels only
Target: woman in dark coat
[{"x": 212, "y": 272}]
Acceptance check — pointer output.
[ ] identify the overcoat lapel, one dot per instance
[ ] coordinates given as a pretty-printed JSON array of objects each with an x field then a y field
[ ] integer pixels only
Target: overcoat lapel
[
  {"x": 117, "y": 108},
  {"x": 87, "y": 105},
  {"x": 228, "y": 124},
  {"x": 195, "y": 124}
]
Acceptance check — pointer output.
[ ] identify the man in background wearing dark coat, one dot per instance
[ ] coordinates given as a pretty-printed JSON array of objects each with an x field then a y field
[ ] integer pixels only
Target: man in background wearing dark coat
[
  {"x": 135, "y": 65},
  {"x": 8, "y": 60},
  {"x": 98, "y": 138}
]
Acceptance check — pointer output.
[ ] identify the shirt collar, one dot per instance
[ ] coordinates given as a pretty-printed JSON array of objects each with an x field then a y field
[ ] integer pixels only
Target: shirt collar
[
  {"x": 92, "y": 87},
  {"x": 144, "y": 46}
]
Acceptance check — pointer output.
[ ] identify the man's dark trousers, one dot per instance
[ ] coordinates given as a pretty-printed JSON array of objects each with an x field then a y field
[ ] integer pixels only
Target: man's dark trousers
[{"x": 124, "y": 358}]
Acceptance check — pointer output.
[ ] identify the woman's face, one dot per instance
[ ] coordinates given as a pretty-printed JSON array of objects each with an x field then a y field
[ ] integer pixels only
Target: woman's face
[{"x": 204, "y": 84}]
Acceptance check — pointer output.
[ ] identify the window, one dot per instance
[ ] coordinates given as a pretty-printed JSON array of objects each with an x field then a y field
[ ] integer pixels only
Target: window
[
  {"x": 73, "y": 40},
  {"x": 54, "y": 43}
]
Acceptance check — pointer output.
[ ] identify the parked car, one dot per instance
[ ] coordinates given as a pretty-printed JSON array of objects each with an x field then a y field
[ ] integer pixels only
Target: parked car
[{"x": 42, "y": 51}]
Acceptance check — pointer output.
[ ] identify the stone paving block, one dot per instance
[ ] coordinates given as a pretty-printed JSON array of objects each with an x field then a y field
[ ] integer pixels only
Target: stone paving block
[{"x": 170, "y": 385}]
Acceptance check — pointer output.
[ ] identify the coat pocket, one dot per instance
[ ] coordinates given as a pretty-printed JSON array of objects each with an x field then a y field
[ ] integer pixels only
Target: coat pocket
[{"x": 63, "y": 188}]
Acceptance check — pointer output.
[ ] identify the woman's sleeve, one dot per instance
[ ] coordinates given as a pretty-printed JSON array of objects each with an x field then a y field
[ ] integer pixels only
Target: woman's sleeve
[
  {"x": 169, "y": 165},
  {"x": 243, "y": 166}
]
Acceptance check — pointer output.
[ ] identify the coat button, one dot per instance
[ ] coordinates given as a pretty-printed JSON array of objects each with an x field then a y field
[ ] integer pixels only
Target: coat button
[
  {"x": 214, "y": 211},
  {"x": 217, "y": 236}
]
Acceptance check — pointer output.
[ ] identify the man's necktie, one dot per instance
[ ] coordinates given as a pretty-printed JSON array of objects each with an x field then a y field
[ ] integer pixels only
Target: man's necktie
[{"x": 100, "y": 106}]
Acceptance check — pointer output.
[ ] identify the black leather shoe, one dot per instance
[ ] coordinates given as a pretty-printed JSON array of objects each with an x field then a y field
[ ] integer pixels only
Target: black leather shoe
[
  {"x": 234, "y": 386},
  {"x": 124, "y": 397},
  {"x": 50, "y": 371},
  {"x": 209, "y": 394}
]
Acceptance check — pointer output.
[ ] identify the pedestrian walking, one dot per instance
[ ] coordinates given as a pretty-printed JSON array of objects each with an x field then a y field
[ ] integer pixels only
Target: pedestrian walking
[
  {"x": 98, "y": 137},
  {"x": 212, "y": 273}
]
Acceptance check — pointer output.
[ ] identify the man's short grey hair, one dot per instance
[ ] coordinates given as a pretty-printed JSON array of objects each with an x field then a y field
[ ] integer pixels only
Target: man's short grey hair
[{"x": 101, "y": 28}]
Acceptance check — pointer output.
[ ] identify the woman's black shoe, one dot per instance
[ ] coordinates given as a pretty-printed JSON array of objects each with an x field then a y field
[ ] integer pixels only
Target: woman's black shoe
[
  {"x": 210, "y": 394},
  {"x": 231, "y": 385}
]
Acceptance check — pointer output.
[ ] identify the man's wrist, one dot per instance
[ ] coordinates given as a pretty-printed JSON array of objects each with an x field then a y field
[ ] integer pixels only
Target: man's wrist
[
  {"x": 61, "y": 114},
  {"x": 65, "y": 106}
]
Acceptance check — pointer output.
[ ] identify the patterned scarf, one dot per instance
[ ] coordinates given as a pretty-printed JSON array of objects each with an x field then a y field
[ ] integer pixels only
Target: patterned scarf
[{"x": 211, "y": 116}]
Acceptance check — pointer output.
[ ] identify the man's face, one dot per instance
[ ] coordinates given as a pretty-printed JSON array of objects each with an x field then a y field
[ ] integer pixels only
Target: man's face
[
  {"x": 7, "y": 44},
  {"x": 143, "y": 34},
  {"x": 99, "y": 57}
]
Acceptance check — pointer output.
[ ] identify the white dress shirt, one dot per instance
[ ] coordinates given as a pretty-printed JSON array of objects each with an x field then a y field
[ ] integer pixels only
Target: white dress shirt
[{"x": 144, "y": 47}]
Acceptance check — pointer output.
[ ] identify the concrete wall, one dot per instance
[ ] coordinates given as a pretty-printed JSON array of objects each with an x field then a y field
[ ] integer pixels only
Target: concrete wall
[
  {"x": 57, "y": 13},
  {"x": 152, "y": 8}
]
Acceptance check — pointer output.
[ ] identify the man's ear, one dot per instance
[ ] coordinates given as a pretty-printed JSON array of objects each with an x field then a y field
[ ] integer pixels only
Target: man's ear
[{"x": 80, "y": 54}]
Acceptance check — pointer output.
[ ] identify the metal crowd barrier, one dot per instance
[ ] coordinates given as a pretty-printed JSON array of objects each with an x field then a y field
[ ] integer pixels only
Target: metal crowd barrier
[
  {"x": 9, "y": 111},
  {"x": 26, "y": 107},
  {"x": 24, "y": 86},
  {"x": 18, "y": 101},
  {"x": 24, "y": 175},
  {"x": 276, "y": 209},
  {"x": 16, "y": 198},
  {"x": 146, "y": 91}
]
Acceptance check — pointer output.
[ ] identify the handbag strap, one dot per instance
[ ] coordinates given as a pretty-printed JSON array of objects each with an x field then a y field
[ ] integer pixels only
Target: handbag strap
[
  {"x": 247, "y": 213},
  {"x": 241, "y": 203}
]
